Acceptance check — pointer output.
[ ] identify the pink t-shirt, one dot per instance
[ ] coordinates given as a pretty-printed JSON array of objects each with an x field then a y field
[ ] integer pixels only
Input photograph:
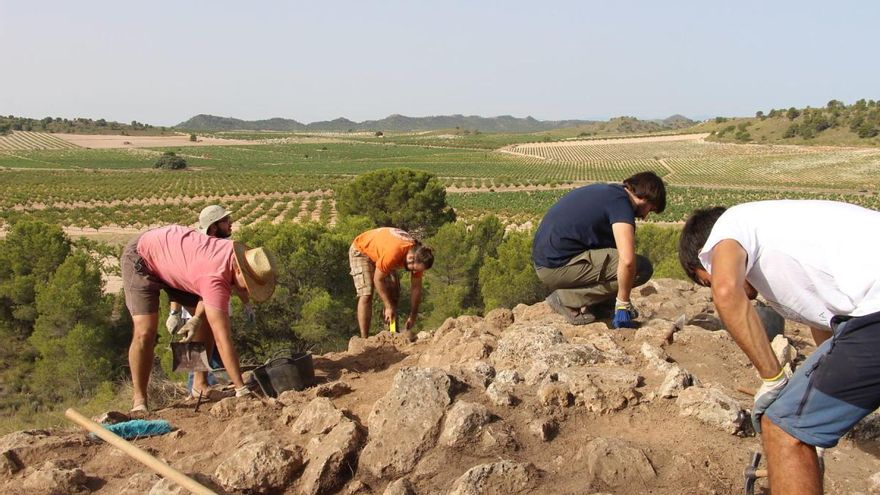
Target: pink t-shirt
[{"x": 190, "y": 261}]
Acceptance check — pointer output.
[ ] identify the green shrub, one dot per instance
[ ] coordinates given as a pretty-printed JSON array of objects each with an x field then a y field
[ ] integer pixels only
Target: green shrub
[{"x": 169, "y": 160}]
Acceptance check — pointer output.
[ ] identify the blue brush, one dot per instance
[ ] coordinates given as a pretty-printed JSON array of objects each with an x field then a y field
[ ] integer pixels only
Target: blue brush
[{"x": 138, "y": 428}]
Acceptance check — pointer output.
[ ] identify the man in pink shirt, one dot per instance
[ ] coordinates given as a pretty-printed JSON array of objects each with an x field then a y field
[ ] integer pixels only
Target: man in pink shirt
[{"x": 189, "y": 266}]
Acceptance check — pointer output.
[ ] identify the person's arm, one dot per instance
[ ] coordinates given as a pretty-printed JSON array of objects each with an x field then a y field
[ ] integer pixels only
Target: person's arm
[
  {"x": 221, "y": 328},
  {"x": 625, "y": 239},
  {"x": 414, "y": 301},
  {"x": 379, "y": 284},
  {"x": 736, "y": 311}
]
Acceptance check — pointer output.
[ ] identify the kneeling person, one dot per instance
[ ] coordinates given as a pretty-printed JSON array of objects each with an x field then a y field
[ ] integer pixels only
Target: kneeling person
[
  {"x": 374, "y": 257},
  {"x": 584, "y": 249}
]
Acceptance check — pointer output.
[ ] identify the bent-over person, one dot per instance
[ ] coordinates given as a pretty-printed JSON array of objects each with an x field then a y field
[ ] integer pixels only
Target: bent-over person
[
  {"x": 189, "y": 266},
  {"x": 374, "y": 258}
]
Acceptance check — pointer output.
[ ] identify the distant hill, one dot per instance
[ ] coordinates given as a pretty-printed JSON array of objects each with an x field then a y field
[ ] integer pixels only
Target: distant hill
[
  {"x": 834, "y": 124},
  {"x": 396, "y": 122}
]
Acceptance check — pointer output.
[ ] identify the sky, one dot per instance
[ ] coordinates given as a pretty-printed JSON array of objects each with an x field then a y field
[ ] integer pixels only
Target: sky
[{"x": 162, "y": 62}]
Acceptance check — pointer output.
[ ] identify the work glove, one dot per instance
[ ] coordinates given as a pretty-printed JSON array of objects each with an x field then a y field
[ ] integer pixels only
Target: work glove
[
  {"x": 624, "y": 315},
  {"x": 250, "y": 316},
  {"x": 173, "y": 322},
  {"x": 188, "y": 330},
  {"x": 243, "y": 392},
  {"x": 766, "y": 395}
]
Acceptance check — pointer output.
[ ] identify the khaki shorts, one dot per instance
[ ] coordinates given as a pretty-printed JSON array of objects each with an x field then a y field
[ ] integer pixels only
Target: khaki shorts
[
  {"x": 142, "y": 287},
  {"x": 362, "y": 270}
]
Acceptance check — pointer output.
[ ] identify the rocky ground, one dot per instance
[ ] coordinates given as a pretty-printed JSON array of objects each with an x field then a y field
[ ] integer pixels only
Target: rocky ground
[{"x": 517, "y": 402}]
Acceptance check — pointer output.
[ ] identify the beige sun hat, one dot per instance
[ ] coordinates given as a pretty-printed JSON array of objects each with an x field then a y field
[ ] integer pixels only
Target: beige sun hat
[
  {"x": 211, "y": 215},
  {"x": 258, "y": 267}
]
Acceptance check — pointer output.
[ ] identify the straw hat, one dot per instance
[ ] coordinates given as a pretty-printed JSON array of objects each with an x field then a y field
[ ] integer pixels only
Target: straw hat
[
  {"x": 211, "y": 215},
  {"x": 258, "y": 267}
]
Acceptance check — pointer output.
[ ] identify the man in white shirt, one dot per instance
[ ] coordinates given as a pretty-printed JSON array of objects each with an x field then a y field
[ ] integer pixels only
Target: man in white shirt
[{"x": 815, "y": 262}]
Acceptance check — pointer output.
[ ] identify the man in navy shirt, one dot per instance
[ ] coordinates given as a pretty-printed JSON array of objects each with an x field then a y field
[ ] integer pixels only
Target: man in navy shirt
[{"x": 584, "y": 250}]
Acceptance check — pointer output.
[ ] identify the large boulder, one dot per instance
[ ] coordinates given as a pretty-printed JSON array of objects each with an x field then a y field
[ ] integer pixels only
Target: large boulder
[
  {"x": 405, "y": 422},
  {"x": 331, "y": 441},
  {"x": 498, "y": 478},
  {"x": 259, "y": 467},
  {"x": 713, "y": 407},
  {"x": 522, "y": 343},
  {"x": 615, "y": 464}
]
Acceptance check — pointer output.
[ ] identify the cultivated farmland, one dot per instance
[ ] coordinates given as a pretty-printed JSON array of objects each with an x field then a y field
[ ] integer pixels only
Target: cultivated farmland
[{"x": 278, "y": 179}]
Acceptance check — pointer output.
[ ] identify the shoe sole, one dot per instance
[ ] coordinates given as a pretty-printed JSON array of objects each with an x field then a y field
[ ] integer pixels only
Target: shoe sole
[{"x": 580, "y": 319}]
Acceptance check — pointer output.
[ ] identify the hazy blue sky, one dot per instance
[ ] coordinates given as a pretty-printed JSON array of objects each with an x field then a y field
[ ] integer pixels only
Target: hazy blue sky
[{"x": 161, "y": 62}]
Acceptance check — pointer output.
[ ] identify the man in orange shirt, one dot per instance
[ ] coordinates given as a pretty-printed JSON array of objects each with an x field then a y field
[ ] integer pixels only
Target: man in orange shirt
[{"x": 375, "y": 256}]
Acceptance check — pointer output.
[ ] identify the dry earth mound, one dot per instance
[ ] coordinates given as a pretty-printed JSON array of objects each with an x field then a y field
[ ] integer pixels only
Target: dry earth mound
[{"x": 516, "y": 402}]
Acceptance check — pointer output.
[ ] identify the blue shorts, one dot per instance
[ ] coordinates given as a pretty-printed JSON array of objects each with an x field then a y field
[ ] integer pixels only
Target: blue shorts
[{"x": 837, "y": 386}]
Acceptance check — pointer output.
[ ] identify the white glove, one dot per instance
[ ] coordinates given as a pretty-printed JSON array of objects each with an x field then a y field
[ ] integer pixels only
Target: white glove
[
  {"x": 766, "y": 395},
  {"x": 173, "y": 322},
  {"x": 188, "y": 330},
  {"x": 243, "y": 392}
]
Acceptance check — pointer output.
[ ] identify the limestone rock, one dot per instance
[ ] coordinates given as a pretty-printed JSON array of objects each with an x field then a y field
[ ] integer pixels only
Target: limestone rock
[
  {"x": 484, "y": 370},
  {"x": 616, "y": 464},
  {"x": 508, "y": 377},
  {"x": 32, "y": 447},
  {"x": 404, "y": 423},
  {"x": 601, "y": 389},
  {"x": 875, "y": 483},
  {"x": 318, "y": 417},
  {"x": 713, "y": 407},
  {"x": 656, "y": 357},
  {"x": 400, "y": 487},
  {"x": 258, "y": 466},
  {"x": 544, "y": 428},
  {"x": 522, "y": 343},
  {"x": 676, "y": 380},
  {"x": 232, "y": 407},
  {"x": 554, "y": 394},
  {"x": 140, "y": 483},
  {"x": 500, "y": 318},
  {"x": 500, "y": 394},
  {"x": 56, "y": 478},
  {"x": 525, "y": 312},
  {"x": 505, "y": 477},
  {"x": 463, "y": 422},
  {"x": 167, "y": 487},
  {"x": 785, "y": 352},
  {"x": 868, "y": 429},
  {"x": 331, "y": 441}
]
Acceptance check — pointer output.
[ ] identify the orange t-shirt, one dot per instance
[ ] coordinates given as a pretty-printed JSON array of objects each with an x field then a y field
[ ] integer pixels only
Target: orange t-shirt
[{"x": 386, "y": 247}]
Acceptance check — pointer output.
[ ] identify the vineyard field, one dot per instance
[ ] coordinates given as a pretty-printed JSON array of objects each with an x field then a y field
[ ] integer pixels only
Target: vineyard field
[{"x": 279, "y": 181}]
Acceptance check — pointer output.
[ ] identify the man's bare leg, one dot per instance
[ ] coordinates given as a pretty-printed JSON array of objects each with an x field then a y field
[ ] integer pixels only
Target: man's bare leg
[
  {"x": 365, "y": 314},
  {"x": 141, "y": 353},
  {"x": 792, "y": 465}
]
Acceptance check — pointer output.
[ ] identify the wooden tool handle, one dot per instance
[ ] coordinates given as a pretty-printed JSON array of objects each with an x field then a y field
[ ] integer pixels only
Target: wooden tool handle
[{"x": 139, "y": 455}]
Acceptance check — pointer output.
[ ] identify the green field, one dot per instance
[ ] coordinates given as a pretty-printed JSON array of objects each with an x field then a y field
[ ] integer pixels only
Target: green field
[{"x": 295, "y": 182}]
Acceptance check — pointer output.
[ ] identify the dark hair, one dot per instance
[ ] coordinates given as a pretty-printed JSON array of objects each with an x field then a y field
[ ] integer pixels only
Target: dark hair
[
  {"x": 423, "y": 254},
  {"x": 648, "y": 186},
  {"x": 693, "y": 237}
]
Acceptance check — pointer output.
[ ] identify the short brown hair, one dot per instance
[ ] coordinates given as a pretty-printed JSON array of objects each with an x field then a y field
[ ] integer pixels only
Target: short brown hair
[
  {"x": 648, "y": 186},
  {"x": 424, "y": 255}
]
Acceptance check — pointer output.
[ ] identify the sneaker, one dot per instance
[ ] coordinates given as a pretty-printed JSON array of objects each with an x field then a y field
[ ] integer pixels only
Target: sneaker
[{"x": 573, "y": 317}]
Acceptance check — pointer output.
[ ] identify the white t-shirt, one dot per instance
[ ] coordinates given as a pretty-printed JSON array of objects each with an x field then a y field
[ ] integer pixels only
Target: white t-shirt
[{"x": 811, "y": 260}]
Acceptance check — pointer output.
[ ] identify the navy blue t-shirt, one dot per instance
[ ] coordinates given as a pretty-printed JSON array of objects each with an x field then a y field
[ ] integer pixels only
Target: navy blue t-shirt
[{"x": 581, "y": 220}]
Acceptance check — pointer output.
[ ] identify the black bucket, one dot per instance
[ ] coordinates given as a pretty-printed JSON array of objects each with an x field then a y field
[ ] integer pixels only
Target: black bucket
[{"x": 280, "y": 374}]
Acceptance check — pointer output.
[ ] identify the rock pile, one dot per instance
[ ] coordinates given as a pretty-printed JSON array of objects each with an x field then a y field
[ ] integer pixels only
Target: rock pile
[{"x": 516, "y": 402}]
